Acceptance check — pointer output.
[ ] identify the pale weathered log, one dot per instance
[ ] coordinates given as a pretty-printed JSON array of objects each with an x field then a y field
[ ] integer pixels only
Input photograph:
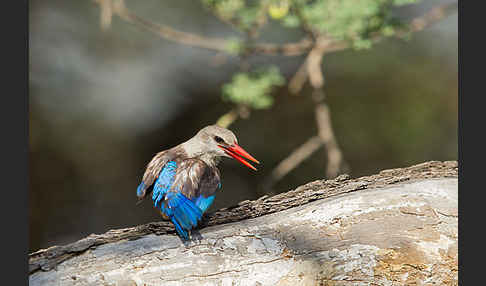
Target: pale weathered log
[{"x": 398, "y": 227}]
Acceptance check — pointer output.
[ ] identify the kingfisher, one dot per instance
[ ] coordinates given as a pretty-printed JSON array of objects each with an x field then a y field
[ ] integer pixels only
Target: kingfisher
[{"x": 184, "y": 179}]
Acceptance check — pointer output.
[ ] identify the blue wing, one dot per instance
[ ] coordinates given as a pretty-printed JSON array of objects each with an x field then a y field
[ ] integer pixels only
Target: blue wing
[
  {"x": 164, "y": 182},
  {"x": 153, "y": 171}
]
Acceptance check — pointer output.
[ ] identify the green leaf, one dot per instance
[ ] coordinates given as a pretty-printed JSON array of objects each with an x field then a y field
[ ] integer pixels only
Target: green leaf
[
  {"x": 234, "y": 46},
  {"x": 351, "y": 20},
  {"x": 291, "y": 21},
  {"x": 362, "y": 44},
  {"x": 388, "y": 31},
  {"x": 253, "y": 89},
  {"x": 243, "y": 14},
  {"x": 403, "y": 2}
]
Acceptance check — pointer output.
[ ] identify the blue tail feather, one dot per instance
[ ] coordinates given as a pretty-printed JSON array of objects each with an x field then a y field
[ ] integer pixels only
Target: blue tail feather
[
  {"x": 183, "y": 218},
  {"x": 182, "y": 212},
  {"x": 179, "y": 229}
]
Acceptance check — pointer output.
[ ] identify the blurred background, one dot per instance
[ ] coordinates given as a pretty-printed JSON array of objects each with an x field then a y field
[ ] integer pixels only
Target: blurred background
[{"x": 103, "y": 102}]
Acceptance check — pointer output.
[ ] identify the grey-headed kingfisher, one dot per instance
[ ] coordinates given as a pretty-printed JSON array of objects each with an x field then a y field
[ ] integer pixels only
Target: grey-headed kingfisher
[{"x": 184, "y": 179}]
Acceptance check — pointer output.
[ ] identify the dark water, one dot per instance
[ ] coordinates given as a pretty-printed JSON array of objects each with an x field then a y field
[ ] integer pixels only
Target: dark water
[{"x": 103, "y": 103}]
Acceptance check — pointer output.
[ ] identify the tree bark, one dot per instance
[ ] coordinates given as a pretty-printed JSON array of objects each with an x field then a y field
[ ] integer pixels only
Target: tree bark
[{"x": 398, "y": 227}]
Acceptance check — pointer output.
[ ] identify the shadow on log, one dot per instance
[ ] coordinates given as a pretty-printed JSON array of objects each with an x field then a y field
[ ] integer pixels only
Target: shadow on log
[{"x": 398, "y": 227}]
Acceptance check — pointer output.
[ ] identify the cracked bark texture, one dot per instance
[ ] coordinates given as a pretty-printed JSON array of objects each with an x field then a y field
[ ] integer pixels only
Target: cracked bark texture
[{"x": 398, "y": 227}]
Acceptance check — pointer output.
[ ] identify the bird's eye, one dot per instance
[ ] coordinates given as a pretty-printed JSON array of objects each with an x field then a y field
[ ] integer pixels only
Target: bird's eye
[{"x": 218, "y": 139}]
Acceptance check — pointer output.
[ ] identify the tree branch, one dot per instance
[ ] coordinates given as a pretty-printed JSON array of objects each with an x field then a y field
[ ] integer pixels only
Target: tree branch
[
  {"x": 326, "y": 134},
  {"x": 106, "y": 13},
  {"x": 215, "y": 44},
  {"x": 166, "y": 32},
  {"x": 311, "y": 69},
  {"x": 228, "y": 118},
  {"x": 433, "y": 16},
  {"x": 295, "y": 158},
  {"x": 403, "y": 234},
  {"x": 47, "y": 259},
  {"x": 297, "y": 82},
  {"x": 289, "y": 49}
]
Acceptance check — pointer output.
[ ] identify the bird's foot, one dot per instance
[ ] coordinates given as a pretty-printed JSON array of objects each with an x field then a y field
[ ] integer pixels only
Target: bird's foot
[{"x": 195, "y": 236}]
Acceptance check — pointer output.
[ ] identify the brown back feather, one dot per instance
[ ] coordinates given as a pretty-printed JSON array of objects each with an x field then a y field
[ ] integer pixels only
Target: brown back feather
[
  {"x": 154, "y": 167},
  {"x": 194, "y": 177}
]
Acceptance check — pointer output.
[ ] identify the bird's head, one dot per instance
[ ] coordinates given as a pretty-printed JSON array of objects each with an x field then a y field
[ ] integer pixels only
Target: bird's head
[{"x": 216, "y": 141}]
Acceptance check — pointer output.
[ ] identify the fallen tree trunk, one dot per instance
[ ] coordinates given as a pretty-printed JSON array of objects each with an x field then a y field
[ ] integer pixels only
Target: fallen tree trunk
[{"x": 398, "y": 227}]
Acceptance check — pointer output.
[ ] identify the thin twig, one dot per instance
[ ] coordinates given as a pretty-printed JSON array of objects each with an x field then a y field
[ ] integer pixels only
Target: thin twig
[
  {"x": 432, "y": 16},
  {"x": 298, "y": 80},
  {"x": 326, "y": 134},
  {"x": 228, "y": 118},
  {"x": 303, "y": 46},
  {"x": 106, "y": 14},
  {"x": 325, "y": 137},
  {"x": 290, "y": 49},
  {"x": 166, "y": 32},
  {"x": 311, "y": 67},
  {"x": 240, "y": 111},
  {"x": 194, "y": 40},
  {"x": 294, "y": 159},
  {"x": 314, "y": 63}
]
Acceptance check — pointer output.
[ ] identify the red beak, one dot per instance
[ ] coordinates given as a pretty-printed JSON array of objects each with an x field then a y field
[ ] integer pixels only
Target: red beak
[{"x": 237, "y": 152}]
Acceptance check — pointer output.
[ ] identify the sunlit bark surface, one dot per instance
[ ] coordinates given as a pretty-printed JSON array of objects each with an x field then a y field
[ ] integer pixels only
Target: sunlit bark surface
[{"x": 398, "y": 227}]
